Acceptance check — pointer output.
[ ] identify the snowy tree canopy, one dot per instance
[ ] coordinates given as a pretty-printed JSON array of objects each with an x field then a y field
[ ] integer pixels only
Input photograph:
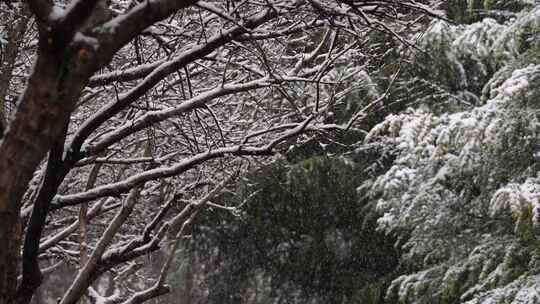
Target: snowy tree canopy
[
  {"x": 463, "y": 191},
  {"x": 124, "y": 122}
]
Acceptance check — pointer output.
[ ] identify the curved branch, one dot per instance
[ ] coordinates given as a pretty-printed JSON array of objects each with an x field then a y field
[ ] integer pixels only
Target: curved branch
[
  {"x": 153, "y": 117},
  {"x": 124, "y": 186},
  {"x": 156, "y": 76}
]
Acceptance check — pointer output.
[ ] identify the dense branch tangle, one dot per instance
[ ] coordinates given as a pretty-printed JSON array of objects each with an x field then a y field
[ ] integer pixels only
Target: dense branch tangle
[{"x": 164, "y": 100}]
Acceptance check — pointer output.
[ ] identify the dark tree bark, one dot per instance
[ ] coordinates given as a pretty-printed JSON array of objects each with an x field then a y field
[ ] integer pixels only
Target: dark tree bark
[
  {"x": 54, "y": 174},
  {"x": 43, "y": 111}
]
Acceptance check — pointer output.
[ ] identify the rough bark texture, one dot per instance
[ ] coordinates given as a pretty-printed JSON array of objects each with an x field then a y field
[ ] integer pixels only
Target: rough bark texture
[
  {"x": 42, "y": 113},
  {"x": 54, "y": 174},
  {"x": 10, "y": 235},
  {"x": 8, "y": 255}
]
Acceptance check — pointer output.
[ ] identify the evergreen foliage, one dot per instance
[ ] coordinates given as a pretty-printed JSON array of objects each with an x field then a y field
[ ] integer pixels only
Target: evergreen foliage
[
  {"x": 303, "y": 236},
  {"x": 463, "y": 191},
  {"x": 470, "y": 11}
]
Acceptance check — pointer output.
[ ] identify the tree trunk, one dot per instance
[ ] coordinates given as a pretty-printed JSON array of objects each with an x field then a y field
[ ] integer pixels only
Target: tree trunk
[
  {"x": 43, "y": 111},
  {"x": 10, "y": 240}
]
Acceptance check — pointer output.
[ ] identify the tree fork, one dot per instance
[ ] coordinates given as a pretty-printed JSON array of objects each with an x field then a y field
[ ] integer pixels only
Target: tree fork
[
  {"x": 54, "y": 175},
  {"x": 52, "y": 90}
]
